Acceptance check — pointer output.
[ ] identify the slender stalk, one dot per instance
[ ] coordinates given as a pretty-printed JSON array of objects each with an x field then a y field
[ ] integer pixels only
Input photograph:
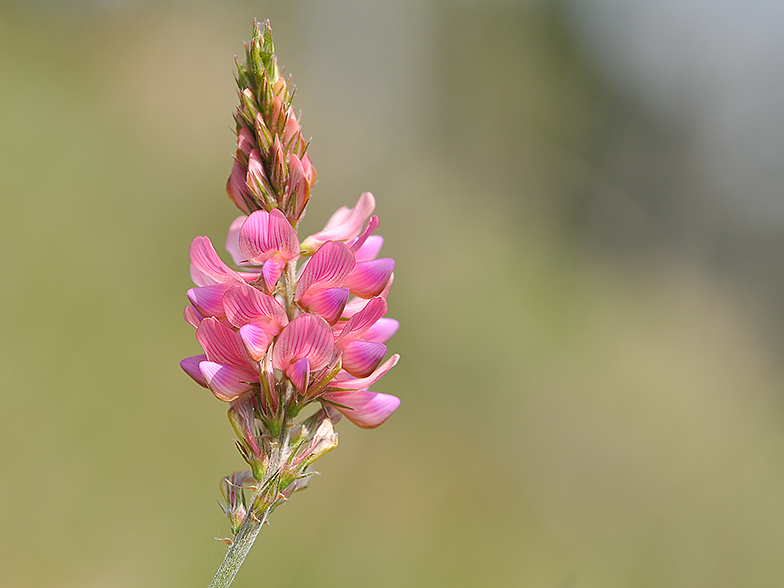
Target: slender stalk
[{"x": 239, "y": 549}]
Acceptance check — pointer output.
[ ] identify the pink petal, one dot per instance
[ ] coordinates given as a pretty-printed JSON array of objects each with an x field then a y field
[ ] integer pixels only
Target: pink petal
[
  {"x": 366, "y": 409},
  {"x": 360, "y": 358},
  {"x": 369, "y": 249},
  {"x": 208, "y": 300},
  {"x": 206, "y": 261},
  {"x": 233, "y": 240},
  {"x": 299, "y": 374},
  {"x": 345, "y": 224},
  {"x": 365, "y": 318},
  {"x": 257, "y": 339},
  {"x": 345, "y": 382},
  {"x": 328, "y": 268},
  {"x": 368, "y": 278},
  {"x": 382, "y": 331},
  {"x": 192, "y": 316},
  {"x": 245, "y": 304},
  {"x": 327, "y": 303},
  {"x": 271, "y": 272},
  {"x": 372, "y": 225},
  {"x": 221, "y": 344},
  {"x": 306, "y": 336},
  {"x": 190, "y": 366},
  {"x": 236, "y": 187},
  {"x": 265, "y": 233},
  {"x": 226, "y": 381}
]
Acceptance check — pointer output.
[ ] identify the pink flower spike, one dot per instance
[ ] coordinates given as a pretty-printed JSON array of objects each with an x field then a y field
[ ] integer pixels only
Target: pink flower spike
[
  {"x": 360, "y": 358},
  {"x": 369, "y": 278},
  {"x": 306, "y": 336},
  {"x": 190, "y": 365},
  {"x": 227, "y": 382},
  {"x": 370, "y": 248},
  {"x": 264, "y": 235},
  {"x": 245, "y": 304},
  {"x": 366, "y": 409},
  {"x": 345, "y": 224},
  {"x": 209, "y": 266}
]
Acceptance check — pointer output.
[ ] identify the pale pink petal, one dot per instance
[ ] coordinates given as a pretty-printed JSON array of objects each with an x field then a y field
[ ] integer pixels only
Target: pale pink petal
[
  {"x": 328, "y": 268},
  {"x": 227, "y": 382},
  {"x": 299, "y": 374},
  {"x": 245, "y": 141},
  {"x": 206, "y": 260},
  {"x": 327, "y": 303},
  {"x": 345, "y": 382},
  {"x": 366, "y": 409},
  {"x": 369, "y": 278},
  {"x": 233, "y": 240},
  {"x": 257, "y": 339},
  {"x": 360, "y": 358},
  {"x": 370, "y": 248},
  {"x": 190, "y": 366},
  {"x": 192, "y": 316},
  {"x": 382, "y": 331},
  {"x": 365, "y": 318},
  {"x": 208, "y": 300},
  {"x": 221, "y": 344},
  {"x": 306, "y": 336},
  {"x": 345, "y": 224},
  {"x": 245, "y": 304}
]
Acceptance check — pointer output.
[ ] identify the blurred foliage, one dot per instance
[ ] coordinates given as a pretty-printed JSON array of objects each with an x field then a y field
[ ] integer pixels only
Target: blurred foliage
[{"x": 569, "y": 417}]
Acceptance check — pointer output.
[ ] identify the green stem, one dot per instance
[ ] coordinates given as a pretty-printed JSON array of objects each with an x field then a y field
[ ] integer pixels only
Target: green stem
[{"x": 239, "y": 549}]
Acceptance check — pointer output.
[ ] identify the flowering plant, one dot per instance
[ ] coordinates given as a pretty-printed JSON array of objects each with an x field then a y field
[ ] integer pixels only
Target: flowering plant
[{"x": 298, "y": 323}]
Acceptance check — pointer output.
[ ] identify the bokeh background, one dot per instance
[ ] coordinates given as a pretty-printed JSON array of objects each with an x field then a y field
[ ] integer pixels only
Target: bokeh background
[{"x": 584, "y": 198}]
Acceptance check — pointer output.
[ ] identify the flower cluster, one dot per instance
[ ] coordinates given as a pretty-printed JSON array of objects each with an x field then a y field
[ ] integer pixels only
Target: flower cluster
[{"x": 298, "y": 322}]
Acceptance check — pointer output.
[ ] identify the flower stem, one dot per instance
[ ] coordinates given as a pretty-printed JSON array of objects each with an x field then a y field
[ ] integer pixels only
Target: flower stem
[{"x": 239, "y": 549}]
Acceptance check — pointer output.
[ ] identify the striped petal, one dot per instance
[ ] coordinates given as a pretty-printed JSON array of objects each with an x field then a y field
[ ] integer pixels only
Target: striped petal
[
  {"x": 345, "y": 382},
  {"x": 328, "y": 268},
  {"x": 364, "y": 319},
  {"x": 306, "y": 336},
  {"x": 245, "y": 304},
  {"x": 299, "y": 374},
  {"x": 207, "y": 263},
  {"x": 221, "y": 344},
  {"x": 257, "y": 338},
  {"x": 265, "y": 233}
]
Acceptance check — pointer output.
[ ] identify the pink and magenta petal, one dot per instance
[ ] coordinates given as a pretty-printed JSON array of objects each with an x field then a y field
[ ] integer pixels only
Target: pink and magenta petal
[
  {"x": 328, "y": 303},
  {"x": 360, "y": 358},
  {"x": 368, "y": 278},
  {"x": 227, "y": 382},
  {"x": 190, "y": 365},
  {"x": 366, "y": 409},
  {"x": 306, "y": 336}
]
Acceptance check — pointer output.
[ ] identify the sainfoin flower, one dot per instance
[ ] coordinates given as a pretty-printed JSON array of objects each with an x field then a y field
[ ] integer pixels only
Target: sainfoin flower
[{"x": 291, "y": 323}]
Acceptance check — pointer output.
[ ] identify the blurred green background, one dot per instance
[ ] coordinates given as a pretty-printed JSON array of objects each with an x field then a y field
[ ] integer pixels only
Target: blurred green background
[{"x": 584, "y": 205}]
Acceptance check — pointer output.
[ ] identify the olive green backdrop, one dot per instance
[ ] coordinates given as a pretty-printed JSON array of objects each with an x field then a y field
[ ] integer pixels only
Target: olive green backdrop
[{"x": 586, "y": 401}]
